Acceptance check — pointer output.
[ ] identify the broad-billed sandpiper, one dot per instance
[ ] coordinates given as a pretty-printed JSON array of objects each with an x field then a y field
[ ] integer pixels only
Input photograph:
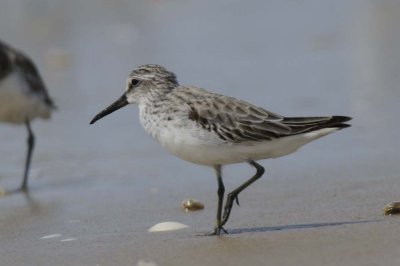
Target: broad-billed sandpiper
[
  {"x": 23, "y": 95},
  {"x": 213, "y": 130}
]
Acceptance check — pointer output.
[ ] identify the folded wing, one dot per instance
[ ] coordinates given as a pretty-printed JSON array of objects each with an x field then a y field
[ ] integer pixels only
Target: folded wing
[{"x": 238, "y": 121}]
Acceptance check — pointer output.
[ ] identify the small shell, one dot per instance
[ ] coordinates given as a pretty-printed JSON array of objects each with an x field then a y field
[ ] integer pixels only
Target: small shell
[
  {"x": 392, "y": 208},
  {"x": 51, "y": 236},
  {"x": 167, "y": 226},
  {"x": 68, "y": 239},
  {"x": 145, "y": 263},
  {"x": 192, "y": 205}
]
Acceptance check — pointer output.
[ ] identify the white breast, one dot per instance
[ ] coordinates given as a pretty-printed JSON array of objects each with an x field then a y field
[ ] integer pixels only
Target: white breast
[{"x": 18, "y": 103}]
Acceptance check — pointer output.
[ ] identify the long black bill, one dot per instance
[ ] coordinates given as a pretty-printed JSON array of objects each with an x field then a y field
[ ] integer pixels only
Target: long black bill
[{"x": 121, "y": 102}]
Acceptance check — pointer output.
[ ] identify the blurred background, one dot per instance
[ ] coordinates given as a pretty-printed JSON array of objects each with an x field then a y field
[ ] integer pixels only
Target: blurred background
[
  {"x": 296, "y": 58},
  {"x": 291, "y": 57}
]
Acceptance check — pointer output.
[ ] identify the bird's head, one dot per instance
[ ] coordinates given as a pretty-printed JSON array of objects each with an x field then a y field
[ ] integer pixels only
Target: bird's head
[{"x": 146, "y": 83}]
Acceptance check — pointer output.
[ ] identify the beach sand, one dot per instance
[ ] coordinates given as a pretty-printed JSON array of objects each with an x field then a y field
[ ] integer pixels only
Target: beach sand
[{"x": 96, "y": 190}]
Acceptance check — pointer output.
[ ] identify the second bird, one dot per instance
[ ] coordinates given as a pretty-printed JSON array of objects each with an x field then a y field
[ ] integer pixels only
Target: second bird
[
  {"x": 23, "y": 96},
  {"x": 214, "y": 130}
]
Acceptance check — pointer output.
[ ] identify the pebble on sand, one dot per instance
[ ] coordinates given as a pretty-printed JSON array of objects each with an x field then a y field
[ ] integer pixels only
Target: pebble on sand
[
  {"x": 392, "y": 208},
  {"x": 192, "y": 205}
]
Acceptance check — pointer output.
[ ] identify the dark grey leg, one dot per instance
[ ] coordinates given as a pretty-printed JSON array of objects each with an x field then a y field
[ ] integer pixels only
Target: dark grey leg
[
  {"x": 221, "y": 190},
  {"x": 31, "y": 144},
  {"x": 234, "y": 194}
]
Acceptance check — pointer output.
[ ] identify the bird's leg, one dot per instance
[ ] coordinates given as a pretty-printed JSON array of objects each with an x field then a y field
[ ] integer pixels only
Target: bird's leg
[
  {"x": 221, "y": 190},
  {"x": 237, "y": 200},
  {"x": 31, "y": 144},
  {"x": 234, "y": 194}
]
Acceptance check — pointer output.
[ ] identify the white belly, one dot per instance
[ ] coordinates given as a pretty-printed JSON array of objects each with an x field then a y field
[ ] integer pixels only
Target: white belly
[
  {"x": 189, "y": 141},
  {"x": 205, "y": 149},
  {"x": 17, "y": 104}
]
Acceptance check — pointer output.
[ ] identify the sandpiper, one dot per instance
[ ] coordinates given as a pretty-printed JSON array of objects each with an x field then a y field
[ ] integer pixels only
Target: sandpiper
[
  {"x": 214, "y": 130},
  {"x": 23, "y": 96}
]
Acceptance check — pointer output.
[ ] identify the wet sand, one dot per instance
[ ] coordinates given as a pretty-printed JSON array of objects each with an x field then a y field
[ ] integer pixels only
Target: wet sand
[
  {"x": 96, "y": 190},
  {"x": 105, "y": 222}
]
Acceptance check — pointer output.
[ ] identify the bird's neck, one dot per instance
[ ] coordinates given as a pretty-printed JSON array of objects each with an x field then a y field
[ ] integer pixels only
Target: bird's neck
[
  {"x": 154, "y": 95},
  {"x": 151, "y": 115}
]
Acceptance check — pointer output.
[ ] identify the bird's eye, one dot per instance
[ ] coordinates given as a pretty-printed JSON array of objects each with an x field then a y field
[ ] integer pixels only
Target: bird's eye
[{"x": 134, "y": 82}]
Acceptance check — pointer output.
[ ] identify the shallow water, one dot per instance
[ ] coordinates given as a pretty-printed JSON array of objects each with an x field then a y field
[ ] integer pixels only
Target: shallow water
[{"x": 291, "y": 57}]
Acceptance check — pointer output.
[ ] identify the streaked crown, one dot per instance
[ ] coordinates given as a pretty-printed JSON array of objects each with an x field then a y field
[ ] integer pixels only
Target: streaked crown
[{"x": 154, "y": 72}]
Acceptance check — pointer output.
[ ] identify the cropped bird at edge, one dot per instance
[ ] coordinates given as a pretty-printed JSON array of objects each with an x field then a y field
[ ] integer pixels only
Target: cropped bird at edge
[
  {"x": 214, "y": 130},
  {"x": 23, "y": 96}
]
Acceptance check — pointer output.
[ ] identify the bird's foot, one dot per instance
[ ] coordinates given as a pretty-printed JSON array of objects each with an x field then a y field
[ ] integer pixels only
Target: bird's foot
[{"x": 217, "y": 231}]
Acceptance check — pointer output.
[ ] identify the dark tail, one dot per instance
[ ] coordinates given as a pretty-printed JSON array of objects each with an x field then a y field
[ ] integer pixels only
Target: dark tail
[{"x": 307, "y": 124}]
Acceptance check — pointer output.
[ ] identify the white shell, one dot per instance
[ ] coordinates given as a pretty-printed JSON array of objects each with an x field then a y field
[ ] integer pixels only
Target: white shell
[
  {"x": 50, "y": 236},
  {"x": 68, "y": 239},
  {"x": 167, "y": 226},
  {"x": 146, "y": 263}
]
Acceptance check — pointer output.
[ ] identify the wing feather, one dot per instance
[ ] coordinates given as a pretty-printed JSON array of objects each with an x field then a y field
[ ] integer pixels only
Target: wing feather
[
  {"x": 238, "y": 121},
  {"x": 17, "y": 60}
]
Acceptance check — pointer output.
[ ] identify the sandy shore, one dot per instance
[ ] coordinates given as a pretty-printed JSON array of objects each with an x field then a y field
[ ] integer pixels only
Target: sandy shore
[
  {"x": 104, "y": 221},
  {"x": 96, "y": 190}
]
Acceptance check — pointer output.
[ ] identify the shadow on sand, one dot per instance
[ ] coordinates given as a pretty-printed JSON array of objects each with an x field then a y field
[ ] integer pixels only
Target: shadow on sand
[{"x": 297, "y": 226}]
